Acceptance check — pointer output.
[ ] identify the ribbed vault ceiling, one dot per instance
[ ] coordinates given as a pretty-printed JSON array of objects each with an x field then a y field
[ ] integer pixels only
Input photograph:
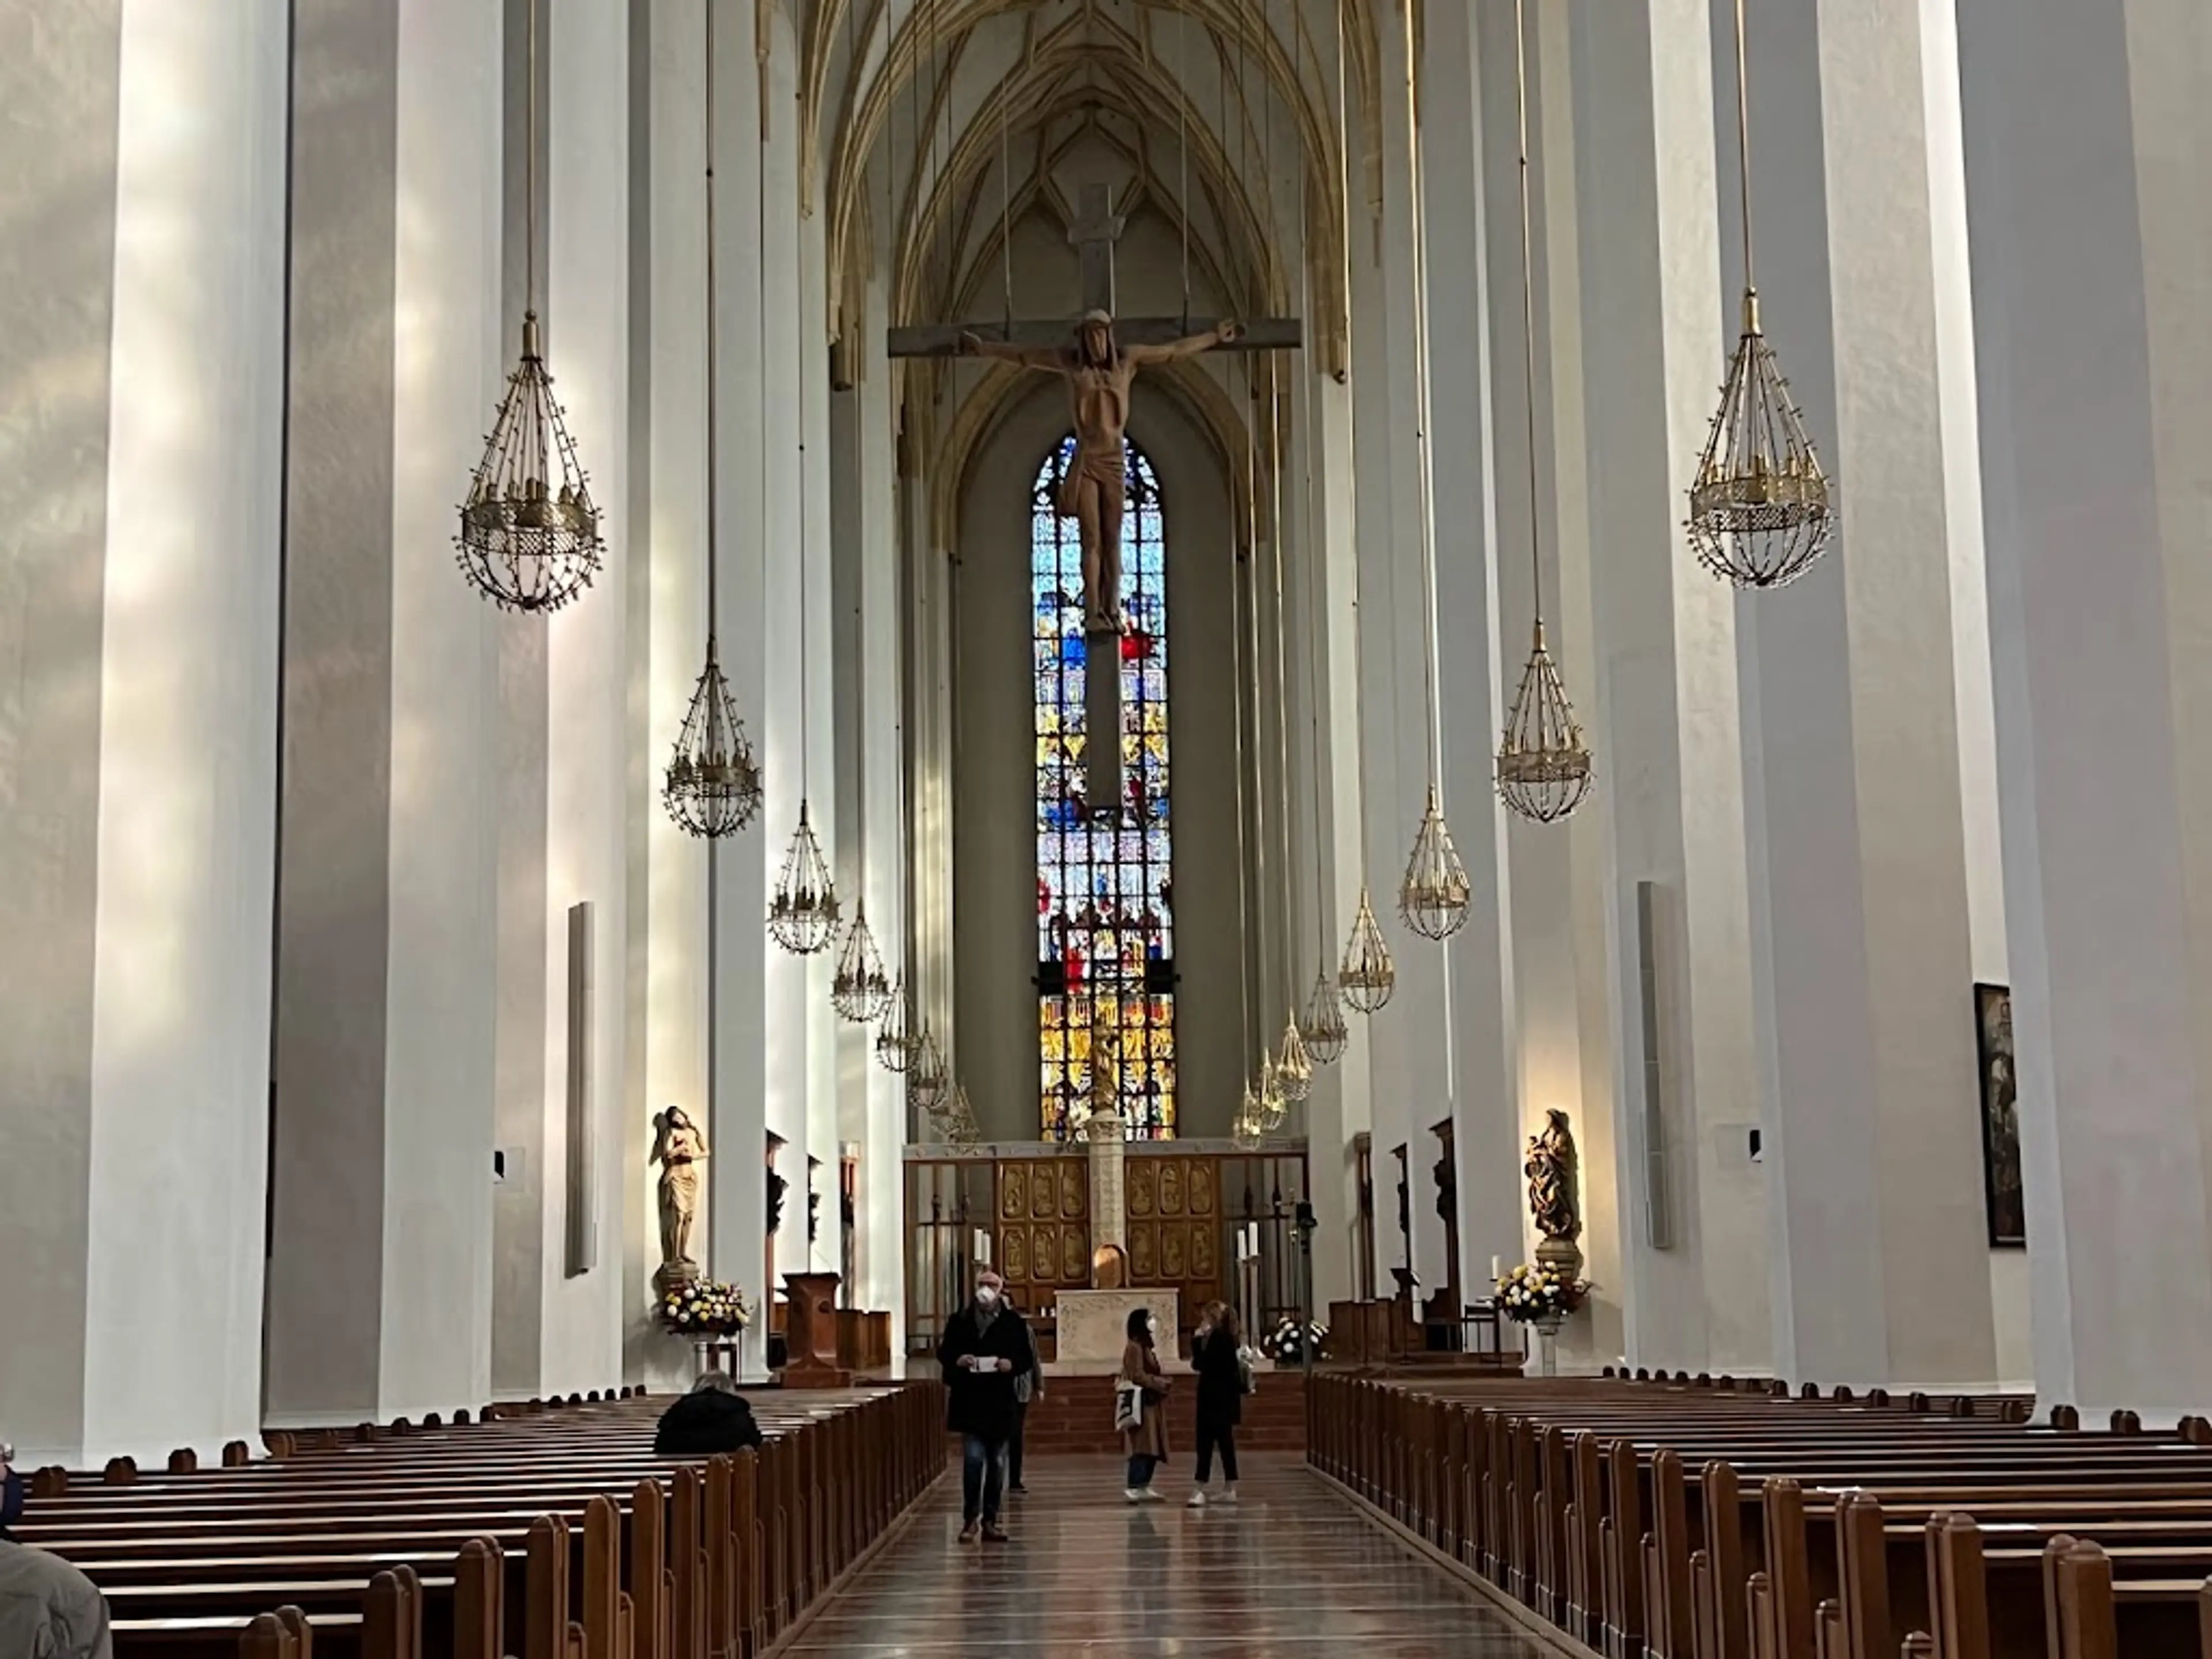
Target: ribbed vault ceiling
[{"x": 933, "y": 126}]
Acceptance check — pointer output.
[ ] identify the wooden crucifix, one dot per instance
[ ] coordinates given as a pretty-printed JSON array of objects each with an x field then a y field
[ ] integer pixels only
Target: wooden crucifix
[{"x": 1098, "y": 354}]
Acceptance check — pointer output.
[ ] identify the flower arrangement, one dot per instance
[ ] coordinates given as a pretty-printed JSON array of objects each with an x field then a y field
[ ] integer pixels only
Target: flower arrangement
[
  {"x": 1286, "y": 1343},
  {"x": 1528, "y": 1294},
  {"x": 705, "y": 1307}
]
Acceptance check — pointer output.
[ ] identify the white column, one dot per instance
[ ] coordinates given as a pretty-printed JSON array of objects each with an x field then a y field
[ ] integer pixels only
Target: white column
[
  {"x": 1406, "y": 1049},
  {"x": 1671, "y": 776},
  {"x": 745, "y": 864},
  {"x": 380, "y": 1275},
  {"x": 2084, "y": 126},
  {"x": 1859, "y": 912},
  {"x": 589, "y": 339},
  {"x": 1483, "y": 640},
  {"x": 138, "y": 637},
  {"x": 668, "y": 588}
]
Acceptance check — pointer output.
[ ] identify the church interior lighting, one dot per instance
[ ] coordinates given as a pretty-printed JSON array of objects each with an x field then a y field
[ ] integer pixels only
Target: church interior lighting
[
  {"x": 712, "y": 787},
  {"x": 530, "y": 536},
  {"x": 1761, "y": 509},
  {"x": 1367, "y": 976}
]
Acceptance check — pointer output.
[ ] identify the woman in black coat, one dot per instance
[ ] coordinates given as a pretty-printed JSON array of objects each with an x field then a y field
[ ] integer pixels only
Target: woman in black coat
[{"x": 1217, "y": 1355}]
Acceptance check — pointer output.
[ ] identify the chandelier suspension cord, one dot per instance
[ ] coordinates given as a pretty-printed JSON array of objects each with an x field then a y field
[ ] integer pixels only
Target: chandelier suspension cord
[
  {"x": 1418, "y": 184},
  {"x": 1007, "y": 205},
  {"x": 1743, "y": 145},
  {"x": 1528, "y": 314},
  {"x": 1252, "y": 407},
  {"x": 1315, "y": 541},
  {"x": 1282, "y": 615},
  {"x": 1352, "y": 407},
  {"x": 530, "y": 162},
  {"x": 713, "y": 373},
  {"x": 1183, "y": 150}
]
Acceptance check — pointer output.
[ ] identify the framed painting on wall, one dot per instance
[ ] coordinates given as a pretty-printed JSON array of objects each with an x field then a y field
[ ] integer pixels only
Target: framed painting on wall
[{"x": 2008, "y": 1213}]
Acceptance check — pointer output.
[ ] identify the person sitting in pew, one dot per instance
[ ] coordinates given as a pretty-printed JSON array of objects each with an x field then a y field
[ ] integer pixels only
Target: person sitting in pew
[
  {"x": 713, "y": 1417},
  {"x": 48, "y": 1609}
]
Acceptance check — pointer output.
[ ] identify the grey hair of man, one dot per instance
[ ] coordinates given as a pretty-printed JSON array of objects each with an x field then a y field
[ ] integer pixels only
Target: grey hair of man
[{"x": 715, "y": 1382}]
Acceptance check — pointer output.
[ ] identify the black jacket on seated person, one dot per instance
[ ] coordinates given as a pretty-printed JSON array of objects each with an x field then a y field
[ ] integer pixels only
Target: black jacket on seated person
[
  {"x": 704, "y": 1422},
  {"x": 981, "y": 1403}
]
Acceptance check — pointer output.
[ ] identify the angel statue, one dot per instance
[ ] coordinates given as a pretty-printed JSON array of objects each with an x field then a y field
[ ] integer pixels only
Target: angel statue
[
  {"x": 679, "y": 1149},
  {"x": 1554, "y": 1198}
]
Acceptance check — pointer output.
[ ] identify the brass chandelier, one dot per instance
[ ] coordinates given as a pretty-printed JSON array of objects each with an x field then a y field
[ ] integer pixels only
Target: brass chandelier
[
  {"x": 530, "y": 536},
  {"x": 1761, "y": 509},
  {"x": 1543, "y": 762},
  {"x": 712, "y": 787},
  {"x": 802, "y": 913},
  {"x": 1433, "y": 894},
  {"x": 1322, "y": 1026},
  {"x": 1368, "y": 977},
  {"x": 926, "y": 1076},
  {"x": 893, "y": 1046},
  {"x": 858, "y": 990},
  {"x": 1294, "y": 1068}
]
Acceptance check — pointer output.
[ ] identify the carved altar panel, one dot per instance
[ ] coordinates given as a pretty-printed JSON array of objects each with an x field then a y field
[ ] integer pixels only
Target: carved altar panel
[
  {"x": 1141, "y": 1186},
  {"x": 1074, "y": 1190},
  {"x": 1044, "y": 1229}
]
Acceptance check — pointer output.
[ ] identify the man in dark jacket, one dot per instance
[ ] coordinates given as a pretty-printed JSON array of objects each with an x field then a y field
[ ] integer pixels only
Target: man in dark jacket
[
  {"x": 713, "y": 1417},
  {"x": 985, "y": 1349}
]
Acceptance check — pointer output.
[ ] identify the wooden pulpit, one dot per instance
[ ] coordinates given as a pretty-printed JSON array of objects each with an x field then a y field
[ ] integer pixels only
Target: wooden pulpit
[{"x": 810, "y": 1333}]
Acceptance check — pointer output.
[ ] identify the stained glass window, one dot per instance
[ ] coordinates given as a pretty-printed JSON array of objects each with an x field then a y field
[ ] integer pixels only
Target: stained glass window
[{"x": 1105, "y": 893}]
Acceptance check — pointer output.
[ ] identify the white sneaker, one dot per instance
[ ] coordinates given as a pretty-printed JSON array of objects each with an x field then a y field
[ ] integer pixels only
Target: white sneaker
[
  {"x": 1229, "y": 1496},
  {"x": 1197, "y": 1499},
  {"x": 1151, "y": 1495},
  {"x": 1133, "y": 1494}
]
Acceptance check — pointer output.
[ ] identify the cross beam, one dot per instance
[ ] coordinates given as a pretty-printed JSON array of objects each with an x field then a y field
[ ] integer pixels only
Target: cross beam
[{"x": 1093, "y": 235}]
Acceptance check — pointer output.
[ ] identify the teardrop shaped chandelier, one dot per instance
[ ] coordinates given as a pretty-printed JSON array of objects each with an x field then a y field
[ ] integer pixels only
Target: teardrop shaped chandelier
[
  {"x": 1322, "y": 1025},
  {"x": 1367, "y": 976},
  {"x": 802, "y": 914},
  {"x": 894, "y": 1045},
  {"x": 1433, "y": 893},
  {"x": 1432, "y": 899},
  {"x": 1274, "y": 1108},
  {"x": 1761, "y": 509},
  {"x": 858, "y": 990},
  {"x": 1294, "y": 1068},
  {"x": 927, "y": 1077},
  {"x": 530, "y": 536},
  {"x": 1543, "y": 762},
  {"x": 712, "y": 787},
  {"x": 1245, "y": 1129}
]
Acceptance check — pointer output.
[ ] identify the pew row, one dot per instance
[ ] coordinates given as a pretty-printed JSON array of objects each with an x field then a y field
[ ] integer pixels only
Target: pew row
[
  {"x": 1687, "y": 1521},
  {"x": 547, "y": 1535}
]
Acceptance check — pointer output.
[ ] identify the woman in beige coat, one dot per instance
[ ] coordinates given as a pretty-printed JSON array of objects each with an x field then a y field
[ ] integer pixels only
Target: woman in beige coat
[{"x": 1146, "y": 1445}]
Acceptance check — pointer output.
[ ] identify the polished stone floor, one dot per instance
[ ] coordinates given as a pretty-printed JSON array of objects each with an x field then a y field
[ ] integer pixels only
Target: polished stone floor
[{"x": 1293, "y": 1571}]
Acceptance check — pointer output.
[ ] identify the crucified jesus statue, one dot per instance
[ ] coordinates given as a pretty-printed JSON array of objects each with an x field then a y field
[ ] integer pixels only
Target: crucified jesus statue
[{"x": 1098, "y": 371}]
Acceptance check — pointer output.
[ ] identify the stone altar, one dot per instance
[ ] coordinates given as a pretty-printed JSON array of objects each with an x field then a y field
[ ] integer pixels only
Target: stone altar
[{"x": 1093, "y": 1326}]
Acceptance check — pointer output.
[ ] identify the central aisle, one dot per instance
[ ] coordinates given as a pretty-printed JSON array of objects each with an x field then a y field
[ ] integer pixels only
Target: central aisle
[{"x": 1293, "y": 1571}]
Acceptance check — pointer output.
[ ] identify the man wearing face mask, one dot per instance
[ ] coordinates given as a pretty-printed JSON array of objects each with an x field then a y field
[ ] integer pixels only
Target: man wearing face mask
[{"x": 985, "y": 1349}]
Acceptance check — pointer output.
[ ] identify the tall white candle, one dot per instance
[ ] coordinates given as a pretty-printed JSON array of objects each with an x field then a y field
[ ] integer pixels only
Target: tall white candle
[{"x": 1495, "y": 1270}]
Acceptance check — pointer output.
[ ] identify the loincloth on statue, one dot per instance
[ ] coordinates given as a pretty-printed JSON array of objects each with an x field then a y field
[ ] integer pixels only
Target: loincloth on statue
[{"x": 1102, "y": 467}]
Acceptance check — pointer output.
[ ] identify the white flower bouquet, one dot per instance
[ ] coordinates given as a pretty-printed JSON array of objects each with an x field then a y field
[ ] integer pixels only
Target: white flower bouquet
[
  {"x": 1531, "y": 1293},
  {"x": 1286, "y": 1343},
  {"x": 706, "y": 1307}
]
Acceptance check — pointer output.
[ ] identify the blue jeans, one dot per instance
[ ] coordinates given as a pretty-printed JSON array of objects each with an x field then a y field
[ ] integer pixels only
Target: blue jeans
[
  {"x": 1141, "y": 1470},
  {"x": 983, "y": 1477}
]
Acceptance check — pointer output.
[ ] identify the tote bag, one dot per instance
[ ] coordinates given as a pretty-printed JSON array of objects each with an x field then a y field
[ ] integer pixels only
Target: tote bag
[{"x": 1128, "y": 1406}]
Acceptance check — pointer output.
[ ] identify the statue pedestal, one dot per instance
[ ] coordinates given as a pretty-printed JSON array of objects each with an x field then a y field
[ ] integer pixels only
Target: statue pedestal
[
  {"x": 810, "y": 1333},
  {"x": 1093, "y": 1326}
]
